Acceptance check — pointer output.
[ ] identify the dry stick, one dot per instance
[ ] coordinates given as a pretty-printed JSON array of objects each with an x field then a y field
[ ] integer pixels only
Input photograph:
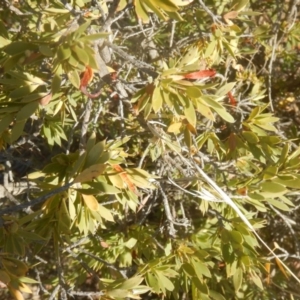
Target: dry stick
[
  {"x": 38, "y": 277},
  {"x": 168, "y": 213},
  {"x": 91, "y": 295}
]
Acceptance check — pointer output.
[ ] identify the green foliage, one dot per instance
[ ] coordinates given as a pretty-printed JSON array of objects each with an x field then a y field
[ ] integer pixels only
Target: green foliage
[{"x": 158, "y": 185}]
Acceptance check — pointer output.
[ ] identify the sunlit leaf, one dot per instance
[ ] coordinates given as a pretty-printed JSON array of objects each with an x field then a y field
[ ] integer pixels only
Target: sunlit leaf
[
  {"x": 90, "y": 173},
  {"x": 91, "y": 202},
  {"x": 238, "y": 279},
  {"x": 157, "y": 99},
  {"x": 105, "y": 213}
]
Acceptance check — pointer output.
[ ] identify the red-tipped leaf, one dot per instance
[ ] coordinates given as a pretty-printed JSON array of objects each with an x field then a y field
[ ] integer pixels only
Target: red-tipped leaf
[
  {"x": 231, "y": 99},
  {"x": 200, "y": 74}
]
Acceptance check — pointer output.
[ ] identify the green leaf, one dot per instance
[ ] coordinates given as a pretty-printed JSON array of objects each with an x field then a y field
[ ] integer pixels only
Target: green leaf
[
  {"x": 235, "y": 236},
  {"x": 193, "y": 92},
  {"x": 210, "y": 48},
  {"x": 190, "y": 114},
  {"x": 63, "y": 53},
  {"x": 256, "y": 280},
  {"x": 270, "y": 172},
  {"x": 231, "y": 268},
  {"x": 201, "y": 269},
  {"x": 288, "y": 182},
  {"x": 140, "y": 177},
  {"x": 4, "y": 277},
  {"x": 82, "y": 28},
  {"x": 175, "y": 127},
  {"x": 191, "y": 56},
  {"x": 95, "y": 37},
  {"x": 152, "y": 282},
  {"x": 207, "y": 100},
  {"x": 4, "y": 42},
  {"x": 105, "y": 188},
  {"x": 46, "y": 50},
  {"x": 90, "y": 173},
  {"x": 56, "y": 82},
  {"x": 117, "y": 294},
  {"x": 81, "y": 55},
  {"x": 164, "y": 281},
  {"x": 91, "y": 202},
  {"x": 279, "y": 204},
  {"x": 205, "y": 111},
  {"x": 22, "y": 91},
  {"x": 27, "y": 110},
  {"x": 17, "y": 130},
  {"x": 157, "y": 99},
  {"x": 64, "y": 220},
  {"x": 12, "y": 61},
  {"x": 141, "y": 11},
  {"x": 238, "y": 279},
  {"x": 5, "y": 122},
  {"x": 200, "y": 285},
  {"x": 74, "y": 78},
  {"x": 106, "y": 213},
  {"x": 216, "y": 296},
  {"x": 286, "y": 200},
  {"x": 155, "y": 9},
  {"x": 250, "y": 137},
  {"x": 188, "y": 269},
  {"x": 266, "y": 126},
  {"x": 131, "y": 243},
  {"x": 94, "y": 154},
  {"x": 93, "y": 63},
  {"x": 227, "y": 253},
  {"x": 131, "y": 283},
  {"x": 270, "y": 188},
  {"x": 225, "y": 89},
  {"x": 73, "y": 60},
  {"x": 224, "y": 115},
  {"x": 239, "y": 5},
  {"x": 28, "y": 280},
  {"x": 166, "y": 5},
  {"x": 187, "y": 137},
  {"x": 15, "y": 48},
  {"x": 284, "y": 154}
]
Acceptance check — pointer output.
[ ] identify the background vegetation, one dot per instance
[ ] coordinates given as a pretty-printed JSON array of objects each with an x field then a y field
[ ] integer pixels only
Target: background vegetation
[{"x": 149, "y": 149}]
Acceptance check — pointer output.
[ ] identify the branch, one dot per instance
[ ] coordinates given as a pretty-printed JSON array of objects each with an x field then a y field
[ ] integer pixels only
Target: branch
[
  {"x": 85, "y": 125},
  {"x": 142, "y": 66},
  {"x": 215, "y": 18},
  {"x": 39, "y": 200}
]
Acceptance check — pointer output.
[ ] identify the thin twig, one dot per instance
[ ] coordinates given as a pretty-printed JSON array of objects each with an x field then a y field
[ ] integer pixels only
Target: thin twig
[
  {"x": 172, "y": 33},
  {"x": 54, "y": 292},
  {"x": 85, "y": 124},
  {"x": 215, "y": 18},
  {"x": 168, "y": 213}
]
